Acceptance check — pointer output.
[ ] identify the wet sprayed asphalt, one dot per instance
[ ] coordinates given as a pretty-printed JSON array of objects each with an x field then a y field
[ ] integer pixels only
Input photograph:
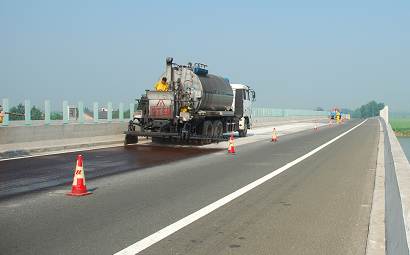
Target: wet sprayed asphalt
[{"x": 38, "y": 173}]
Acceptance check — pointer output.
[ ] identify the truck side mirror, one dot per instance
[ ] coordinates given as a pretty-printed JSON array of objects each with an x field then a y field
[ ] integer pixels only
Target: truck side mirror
[{"x": 253, "y": 95}]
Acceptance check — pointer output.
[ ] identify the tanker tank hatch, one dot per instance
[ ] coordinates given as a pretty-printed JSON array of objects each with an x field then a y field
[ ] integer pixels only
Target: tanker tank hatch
[{"x": 200, "y": 69}]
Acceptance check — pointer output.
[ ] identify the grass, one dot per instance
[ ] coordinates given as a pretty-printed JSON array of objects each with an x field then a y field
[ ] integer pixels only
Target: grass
[{"x": 401, "y": 126}]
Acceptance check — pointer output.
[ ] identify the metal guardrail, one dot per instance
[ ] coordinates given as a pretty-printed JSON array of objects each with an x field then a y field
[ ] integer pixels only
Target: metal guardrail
[
  {"x": 65, "y": 111},
  {"x": 257, "y": 112}
]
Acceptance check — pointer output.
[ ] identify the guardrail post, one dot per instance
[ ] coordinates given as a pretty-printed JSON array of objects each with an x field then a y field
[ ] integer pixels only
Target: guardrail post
[
  {"x": 27, "y": 112},
  {"x": 80, "y": 112},
  {"x": 47, "y": 114},
  {"x": 5, "y": 105},
  {"x": 131, "y": 110},
  {"x": 109, "y": 113},
  {"x": 121, "y": 112},
  {"x": 95, "y": 112},
  {"x": 65, "y": 112}
]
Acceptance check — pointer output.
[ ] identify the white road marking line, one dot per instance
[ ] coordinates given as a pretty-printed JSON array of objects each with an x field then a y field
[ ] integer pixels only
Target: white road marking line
[{"x": 174, "y": 227}]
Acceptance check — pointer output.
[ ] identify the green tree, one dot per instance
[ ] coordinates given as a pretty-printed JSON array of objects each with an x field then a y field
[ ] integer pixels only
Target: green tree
[
  {"x": 368, "y": 110},
  {"x": 36, "y": 114},
  {"x": 127, "y": 114},
  {"x": 56, "y": 116},
  {"x": 115, "y": 114},
  {"x": 19, "y": 109}
]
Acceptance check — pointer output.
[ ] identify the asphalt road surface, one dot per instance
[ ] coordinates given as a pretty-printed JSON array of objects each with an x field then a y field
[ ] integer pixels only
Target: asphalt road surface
[
  {"x": 32, "y": 174},
  {"x": 319, "y": 206}
]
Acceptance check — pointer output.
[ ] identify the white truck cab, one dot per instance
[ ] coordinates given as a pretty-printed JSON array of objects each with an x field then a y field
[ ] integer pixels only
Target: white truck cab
[{"x": 242, "y": 106}]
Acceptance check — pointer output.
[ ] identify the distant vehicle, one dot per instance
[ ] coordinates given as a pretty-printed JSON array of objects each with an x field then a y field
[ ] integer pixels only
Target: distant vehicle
[
  {"x": 334, "y": 113},
  {"x": 197, "y": 107}
]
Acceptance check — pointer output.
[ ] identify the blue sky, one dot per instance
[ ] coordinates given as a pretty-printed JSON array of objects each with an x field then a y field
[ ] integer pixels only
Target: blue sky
[{"x": 296, "y": 54}]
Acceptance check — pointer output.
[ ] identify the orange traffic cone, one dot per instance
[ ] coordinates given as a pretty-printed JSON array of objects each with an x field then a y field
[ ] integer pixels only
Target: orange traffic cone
[
  {"x": 78, "y": 188},
  {"x": 231, "y": 146},
  {"x": 274, "y": 135}
]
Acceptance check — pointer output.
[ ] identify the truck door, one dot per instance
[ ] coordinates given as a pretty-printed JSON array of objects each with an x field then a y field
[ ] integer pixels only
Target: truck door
[
  {"x": 246, "y": 104},
  {"x": 239, "y": 98}
]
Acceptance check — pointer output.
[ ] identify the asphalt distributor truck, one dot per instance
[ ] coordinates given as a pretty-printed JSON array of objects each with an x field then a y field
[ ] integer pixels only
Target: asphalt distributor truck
[{"x": 197, "y": 108}]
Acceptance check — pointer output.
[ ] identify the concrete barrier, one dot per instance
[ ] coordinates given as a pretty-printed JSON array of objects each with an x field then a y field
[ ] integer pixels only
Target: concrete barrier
[
  {"x": 396, "y": 206},
  {"x": 389, "y": 228},
  {"x": 22, "y": 134},
  {"x": 27, "y": 140},
  {"x": 18, "y": 141},
  {"x": 384, "y": 113},
  {"x": 397, "y": 169}
]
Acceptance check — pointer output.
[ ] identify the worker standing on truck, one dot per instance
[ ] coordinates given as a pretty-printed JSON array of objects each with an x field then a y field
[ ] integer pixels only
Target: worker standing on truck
[{"x": 162, "y": 85}]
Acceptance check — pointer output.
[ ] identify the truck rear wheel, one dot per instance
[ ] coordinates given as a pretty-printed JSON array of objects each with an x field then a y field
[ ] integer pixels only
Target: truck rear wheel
[
  {"x": 207, "y": 130},
  {"x": 218, "y": 129}
]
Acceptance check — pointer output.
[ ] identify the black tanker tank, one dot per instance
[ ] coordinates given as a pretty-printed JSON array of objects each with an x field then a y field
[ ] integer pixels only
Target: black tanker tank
[{"x": 200, "y": 90}]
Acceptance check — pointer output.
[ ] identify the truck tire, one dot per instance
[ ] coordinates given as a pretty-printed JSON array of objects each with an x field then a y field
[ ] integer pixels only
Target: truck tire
[
  {"x": 130, "y": 139},
  {"x": 207, "y": 130},
  {"x": 218, "y": 129},
  {"x": 244, "y": 132}
]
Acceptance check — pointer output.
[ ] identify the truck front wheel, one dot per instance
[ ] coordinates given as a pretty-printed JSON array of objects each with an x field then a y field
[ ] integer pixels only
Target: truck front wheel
[
  {"x": 244, "y": 132},
  {"x": 130, "y": 139}
]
